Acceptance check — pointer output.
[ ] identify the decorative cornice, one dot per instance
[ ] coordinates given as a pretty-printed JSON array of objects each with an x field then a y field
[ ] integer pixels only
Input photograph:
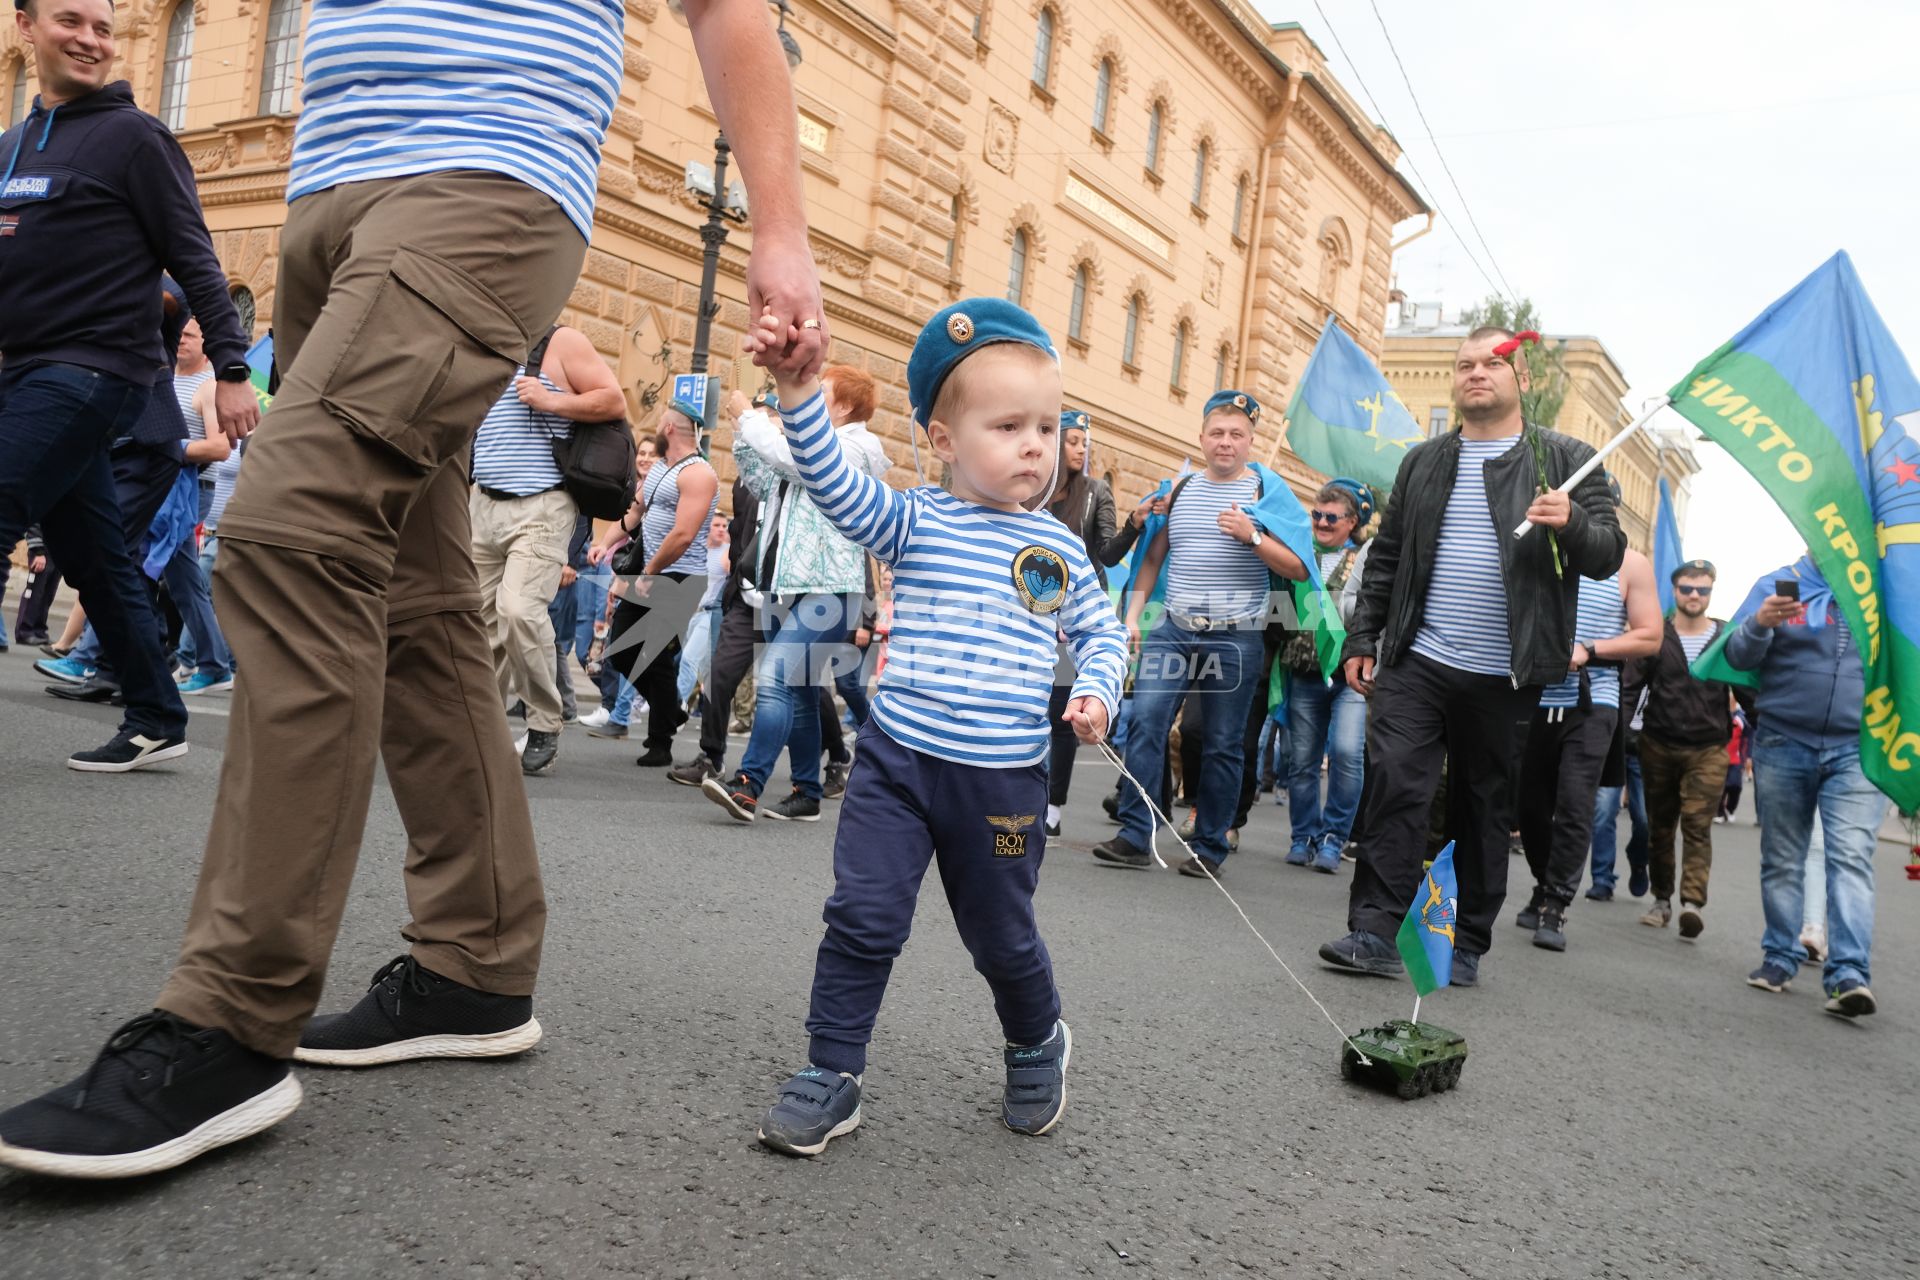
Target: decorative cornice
[
  {"x": 1087, "y": 254},
  {"x": 1366, "y": 175},
  {"x": 1162, "y": 93},
  {"x": 1235, "y": 57},
  {"x": 1062, "y": 20}
]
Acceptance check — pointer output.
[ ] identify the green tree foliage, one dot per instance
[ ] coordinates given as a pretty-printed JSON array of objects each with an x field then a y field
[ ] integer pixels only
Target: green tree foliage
[{"x": 1546, "y": 361}]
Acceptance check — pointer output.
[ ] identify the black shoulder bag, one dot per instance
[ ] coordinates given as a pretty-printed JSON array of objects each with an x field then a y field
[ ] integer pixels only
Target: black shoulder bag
[{"x": 597, "y": 460}]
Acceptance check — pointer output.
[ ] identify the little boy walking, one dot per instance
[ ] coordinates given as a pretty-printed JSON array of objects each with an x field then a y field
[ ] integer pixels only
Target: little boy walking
[{"x": 951, "y": 765}]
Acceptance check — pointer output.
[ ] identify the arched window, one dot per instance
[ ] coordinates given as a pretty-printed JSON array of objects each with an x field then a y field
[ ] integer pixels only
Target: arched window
[
  {"x": 1103, "y": 95},
  {"x": 1180, "y": 334},
  {"x": 1043, "y": 50},
  {"x": 281, "y": 64},
  {"x": 16, "y": 92},
  {"x": 1077, "y": 312},
  {"x": 244, "y": 304},
  {"x": 953, "y": 241},
  {"x": 1130, "y": 349},
  {"x": 1220, "y": 368},
  {"x": 1201, "y": 154},
  {"x": 1017, "y": 268},
  {"x": 176, "y": 67},
  {"x": 1155, "y": 119},
  {"x": 1240, "y": 207}
]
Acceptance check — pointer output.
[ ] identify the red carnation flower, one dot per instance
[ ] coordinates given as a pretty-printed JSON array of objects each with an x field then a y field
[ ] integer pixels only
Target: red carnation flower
[{"x": 1517, "y": 341}]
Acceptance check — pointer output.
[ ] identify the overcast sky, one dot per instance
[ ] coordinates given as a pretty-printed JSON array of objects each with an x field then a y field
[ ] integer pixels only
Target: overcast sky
[{"x": 1654, "y": 174}]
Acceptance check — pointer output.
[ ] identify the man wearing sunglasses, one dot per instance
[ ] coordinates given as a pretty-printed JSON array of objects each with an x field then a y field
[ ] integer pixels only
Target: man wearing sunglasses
[{"x": 1683, "y": 751}]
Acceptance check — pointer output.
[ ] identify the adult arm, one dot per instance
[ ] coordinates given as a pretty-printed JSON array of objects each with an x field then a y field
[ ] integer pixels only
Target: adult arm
[
  {"x": 1750, "y": 643},
  {"x": 591, "y": 392},
  {"x": 763, "y": 438},
  {"x": 752, "y": 94},
  {"x": 1644, "y": 624},
  {"x": 214, "y": 445},
  {"x": 697, "y": 486}
]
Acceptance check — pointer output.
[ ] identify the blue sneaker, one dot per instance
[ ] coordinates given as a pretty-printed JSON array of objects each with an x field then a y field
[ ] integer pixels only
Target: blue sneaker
[
  {"x": 1300, "y": 856},
  {"x": 201, "y": 682},
  {"x": 1328, "y": 857},
  {"x": 1850, "y": 999},
  {"x": 815, "y": 1107},
  {"x": 70, "y": 670},
  {"x": 1036, "y": 1094},
  {"x": 1770, "y": 977}
]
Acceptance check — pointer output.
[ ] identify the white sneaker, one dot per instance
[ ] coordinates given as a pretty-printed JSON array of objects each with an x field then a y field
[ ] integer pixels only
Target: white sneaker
[
  {"x": 1813, "y": 940},
  {"x": 1693, "y": 921},
  {"x": 520, "y": 745},
  {"x": 596, "y": 718}
]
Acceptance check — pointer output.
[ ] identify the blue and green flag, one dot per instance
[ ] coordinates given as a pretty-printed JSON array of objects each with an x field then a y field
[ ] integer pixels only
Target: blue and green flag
[
  {"x": 1816, "y": 401},
  {"x": 1667, "y": 554},
  {"x": 1426, "y": 935},
  {"x": 260, "y": 370},
  {"x": 1344, "y": 419}
]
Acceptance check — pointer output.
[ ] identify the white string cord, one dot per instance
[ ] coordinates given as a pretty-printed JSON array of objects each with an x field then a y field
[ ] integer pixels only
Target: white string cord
[{"x": 1153, "y": 842}]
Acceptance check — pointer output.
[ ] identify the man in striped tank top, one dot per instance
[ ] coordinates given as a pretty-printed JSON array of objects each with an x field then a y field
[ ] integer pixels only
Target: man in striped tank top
[
  {"x": 1572, "y": 736},
  {"x": 1457, "y": 629},
  {"x": 523, "y": 520},
  {"x": 442, "y": 186}
]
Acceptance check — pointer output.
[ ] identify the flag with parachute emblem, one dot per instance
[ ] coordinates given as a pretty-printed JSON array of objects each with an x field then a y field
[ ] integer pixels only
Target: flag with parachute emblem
[
  {"x": 1344, "y": 419},
  {"x": 1815, "y": 400},
  {"x": 1426, "y": 935}
]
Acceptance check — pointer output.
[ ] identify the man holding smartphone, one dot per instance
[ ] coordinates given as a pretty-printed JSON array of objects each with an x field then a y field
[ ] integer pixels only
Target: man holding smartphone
[{"x": 1683, "y": 751}]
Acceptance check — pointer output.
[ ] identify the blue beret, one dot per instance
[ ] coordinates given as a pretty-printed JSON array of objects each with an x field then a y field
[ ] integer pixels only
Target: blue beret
[
  {"x": 1074, "y": 420},
  {"x": 698, "y": 416},
  {"x": 956, "y": 332},
  {"x": 1233, "y": 400},
  {"x": 1362, "y": 495}
]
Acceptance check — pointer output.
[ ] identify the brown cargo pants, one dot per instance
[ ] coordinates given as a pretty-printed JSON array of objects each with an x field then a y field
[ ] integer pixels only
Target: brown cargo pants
[
  {"x": 346, "y": 587},
  {"x": 1683, "y": 786}
]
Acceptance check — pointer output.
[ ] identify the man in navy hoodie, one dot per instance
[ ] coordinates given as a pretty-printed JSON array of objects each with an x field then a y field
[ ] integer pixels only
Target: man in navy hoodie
[{"x": 96, "y": 199}]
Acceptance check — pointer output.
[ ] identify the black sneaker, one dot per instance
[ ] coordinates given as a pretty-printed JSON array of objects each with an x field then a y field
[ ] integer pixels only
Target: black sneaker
[
  {"x": 1200, "y": 868},
  {"x": 1529, "y": 915},
  {"x": 737, "y": 797},
  {"x": 1121, "y": 853},
  {"x": 834, "y": 784},
  {"x": 162, "y": 1092},
  {"x": 93, "y": 689},
  {"x": 1363, "y": 952},
  {"x": 129, "y": 750},
  {"x": 1550, "y": 928},
  {"x": 412, "y": 1012},
  {"x": 542, "y": 750},
  {"x": 655, "y": 758},
  {"x": 815, "y": 1107},
  {"x": 1466, "y": 969},
  {"x": 1110, "y": 803},
  {"x": 797, "y": 807},
  {"x": 1036, "y": 1094},
  {"x": 693, "y": 772},
  {"x": 1053, "y": 830}
]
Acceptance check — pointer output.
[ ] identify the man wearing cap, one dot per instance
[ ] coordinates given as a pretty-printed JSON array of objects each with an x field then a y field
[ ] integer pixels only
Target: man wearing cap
[
  {"x": 1683, "y": 751},
  {"x": 523, "y": 521},
  {"x": 1220, "y": 565}
]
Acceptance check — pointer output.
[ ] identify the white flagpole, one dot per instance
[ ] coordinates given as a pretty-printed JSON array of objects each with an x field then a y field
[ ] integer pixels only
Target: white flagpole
[
  {"x": 1416, "y": 1008},
  {"x": 1654, "y": 406}
]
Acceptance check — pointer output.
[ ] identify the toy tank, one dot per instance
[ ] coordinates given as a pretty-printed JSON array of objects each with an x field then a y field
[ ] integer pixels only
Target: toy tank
[{"x": 1412, "y": 1058}]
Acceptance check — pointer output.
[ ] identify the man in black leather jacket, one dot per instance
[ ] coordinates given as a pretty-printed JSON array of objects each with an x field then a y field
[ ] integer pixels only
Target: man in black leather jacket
[{"x": 1457, "y": 627}]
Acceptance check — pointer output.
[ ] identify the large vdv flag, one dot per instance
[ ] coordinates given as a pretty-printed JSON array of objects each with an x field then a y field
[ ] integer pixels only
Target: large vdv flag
[
  {"x": 1667, "y": 555},
  {"x": 1344, "y": 419},
  {"x": 1816, "y": 401},
  {"x": 1426, "y": 935}
]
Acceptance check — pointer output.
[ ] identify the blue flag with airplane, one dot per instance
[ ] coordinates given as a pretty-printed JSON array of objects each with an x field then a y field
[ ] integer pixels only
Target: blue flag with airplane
[{"x": 1344, "y": 419}]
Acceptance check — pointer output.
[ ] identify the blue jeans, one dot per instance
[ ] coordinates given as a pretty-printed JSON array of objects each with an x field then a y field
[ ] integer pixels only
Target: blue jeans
[
  {"x": 1330, "y": 719},
  {"x": 800, "y": 642},
  {"x": 852, "y": 685},
  {"x": 1606, "y": 838},
  {"x": 57, "y": 423},
  {"x": 1790, "y": 781},
  {"x": 1222, "y": 667},
  {"x": 186, "y": 581},
  {"x": 589, "y": 605},
  {"x": 696, "y": 649}
]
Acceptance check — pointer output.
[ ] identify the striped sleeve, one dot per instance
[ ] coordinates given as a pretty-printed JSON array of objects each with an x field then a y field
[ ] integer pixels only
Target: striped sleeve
[
  {"x": 1098, "y": 639},
  {"x": 863, "y": 509}
]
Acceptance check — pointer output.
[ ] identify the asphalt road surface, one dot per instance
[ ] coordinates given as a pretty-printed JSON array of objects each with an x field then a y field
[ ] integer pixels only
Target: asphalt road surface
[{"x": 1630, "y": 1108}]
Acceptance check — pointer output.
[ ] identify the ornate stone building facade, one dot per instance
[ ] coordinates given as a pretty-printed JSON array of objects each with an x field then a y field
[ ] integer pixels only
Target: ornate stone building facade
[
  {"x": 1418, "y": 363},
  {"x": 1180, "y": 191}
]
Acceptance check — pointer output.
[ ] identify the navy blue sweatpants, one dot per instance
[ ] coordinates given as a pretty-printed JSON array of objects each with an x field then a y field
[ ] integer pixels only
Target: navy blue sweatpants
[{"x": 984, "y": 827}]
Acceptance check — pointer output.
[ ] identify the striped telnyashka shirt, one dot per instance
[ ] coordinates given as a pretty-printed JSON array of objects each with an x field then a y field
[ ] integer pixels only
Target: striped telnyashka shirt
[
  {"x": 969, "y": 664},
  {"x": 513, "y": 451},
  {"x": 1465, "y": 626},
  {"x": 660, "y": 497},
  {"x": 1209, "y": 573},
  {"x": 1602, "y": 615},
  {"x": 524, "y": 88}
]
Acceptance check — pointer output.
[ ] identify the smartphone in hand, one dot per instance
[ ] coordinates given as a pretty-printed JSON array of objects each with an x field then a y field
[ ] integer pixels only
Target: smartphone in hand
[{"x": 1788, "y": 587}]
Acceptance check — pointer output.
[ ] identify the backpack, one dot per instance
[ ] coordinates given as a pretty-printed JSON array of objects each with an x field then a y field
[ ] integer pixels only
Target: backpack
[{"x": 597, "y": 460}]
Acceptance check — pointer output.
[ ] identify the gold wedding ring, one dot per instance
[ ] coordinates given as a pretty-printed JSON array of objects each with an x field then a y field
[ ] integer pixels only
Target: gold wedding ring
[{"x": 809, "y": 324}]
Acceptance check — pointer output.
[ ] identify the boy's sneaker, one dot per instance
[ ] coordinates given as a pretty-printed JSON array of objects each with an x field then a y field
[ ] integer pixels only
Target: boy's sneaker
[
  {"x": 162, "y": 1092},
  {"x": 693, "y": 772},
  {"x": 1036, "y": 1094},
  {"x": 1851, "y": 999},
  {"x": 815, "y": 1107},
  {"x": 410, "y": 1012},
  {"x": 737, "y": 797},
  {"x": 833, "y": 784},
  {"x": 129, "y": 750},
  {"x": 1770, "y": 977},
  {"x": 69, "y": 670},
  {"x": 797, "y": 807},
  {"x": 202, "y": 682},
  {"x": 1362, "y": 952},
  {"x": 1658, "y": 915},
  {"x": 1120, "y": 852},
  {"x": 1693, "y": 921}
]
